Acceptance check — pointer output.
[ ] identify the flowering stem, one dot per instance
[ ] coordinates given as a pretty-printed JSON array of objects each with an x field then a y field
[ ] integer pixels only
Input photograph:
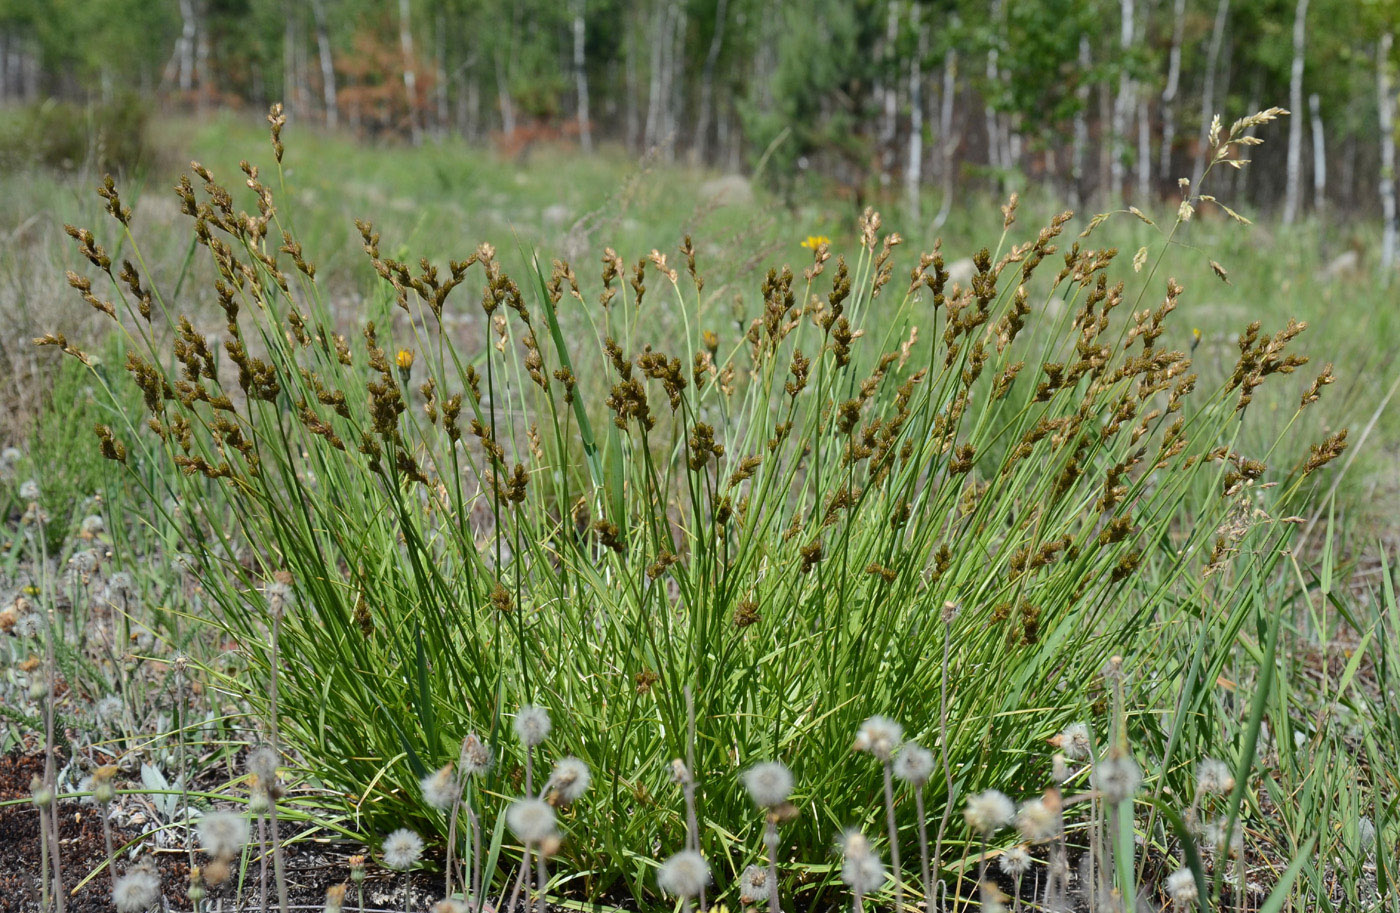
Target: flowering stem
[
  {"x": 770, "y": 839},
  {"x": 894, "y": 837},
  {"x": 924, "y": 870}
]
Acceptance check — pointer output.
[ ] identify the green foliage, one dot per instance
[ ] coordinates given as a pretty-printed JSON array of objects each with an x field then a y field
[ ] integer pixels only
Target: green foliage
[
  {"x": 555, "y": 511},
  {"x": 73, "y": 137}
]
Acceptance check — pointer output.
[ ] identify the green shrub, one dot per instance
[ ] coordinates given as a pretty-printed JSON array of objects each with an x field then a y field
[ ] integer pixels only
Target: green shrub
[
  {"x": 864, "y": 491},
  {"x": 71, "y": 137}
]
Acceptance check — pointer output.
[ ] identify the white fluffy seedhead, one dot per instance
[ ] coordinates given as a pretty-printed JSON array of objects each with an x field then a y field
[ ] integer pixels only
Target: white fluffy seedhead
[
  {"x": 1015, "y": 861},
  {"x": 861, "y": 868},
  {"x": 440, "y": 788},
  {"x": 880, "y": 736},
  {"x": 1073, "y": 742},
  {"x": 1038, "y": 821},
  {"x": 1214, "y": 778},
  {"x": 569, "y": 780},
  {"x": 136, "y": 891},
  {"x": 1117, "y": 778},
  {"x": 1182, "y": 888},
  {"x": 913, "y": 764},
  {"x": 753, "y": 885},
  {"x": 223, "y": 834},
  {"x": 988, "y": 812},
  {"x": 402, "y": 849},
  {"x": 769, "y": 783},
  {"x": 531, "y": 820},
  {"x": 684, "y": 875},
  {"x": 532, "y": 725}
]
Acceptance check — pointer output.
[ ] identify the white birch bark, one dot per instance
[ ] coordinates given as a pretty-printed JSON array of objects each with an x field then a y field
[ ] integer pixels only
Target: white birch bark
[
  {"x": 1080, "y": 150},
  {"x": 1385, "y": 95},
  {"x": 947, "y": 142},
  {"x": 1217, "y": 40},
  {"x": 1319, "y": 151},
  {"x": 1123, "y": 103},
  {"x": 585, "y": 128},
  {"x": 323, "y": 50},
  {"x": 914, "y": 167},
  {"x": 410, "y": 75},
  {"x": 1170, "y": 91},
  {"x": 707, "y": 83},
  {"x": 1293, "y": 189}
]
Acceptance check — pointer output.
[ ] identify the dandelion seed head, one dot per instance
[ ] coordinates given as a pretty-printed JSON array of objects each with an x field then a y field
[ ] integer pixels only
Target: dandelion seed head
[
  {"x": 913, "y": 764},
  {"x": 1038, "y": 821},
  {"x": 1117, "y": 777},
  {"x": 1015, "y": 861},
  {"x": 83, "y": 562},
  {"x": 1073, "y": 741},
  {"x": 753, "y": 885},
  {"x": 451, "y": 905},
  {"x": 92, "y": 525},
  {"x": 108, "y": 708},
  {"x": 476, "y": 757},
  {"x": 262, "y": 762},
  {"x": 685, "y": 874},
  {"x": 135, "y": 891},
  {"x": 1214, "y": 777},
  {"x": 532, "y": 820},
  {"x": 1181, "y": 888},
  {"x": 402, "y": 849},
  {"x": 988, "y": 812},
  {"x": 532, "y": 725},
  {"x": 29, "y": 490},
  {"x": 569, "y": 780},
  {"x": 440, "y": 788},
  {"x": 28, "y": 625},
  {"x": 861, "y": 868},
  {"x": 223, "y": 833},
  {"x": 769, "y": 783},
  {"x": 120, "y": 584},
  {"x": 880, "y": 736}
]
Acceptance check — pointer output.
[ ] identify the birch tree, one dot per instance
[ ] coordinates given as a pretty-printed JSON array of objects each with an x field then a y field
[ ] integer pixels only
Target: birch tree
[
  {"x": 1293, "y": 187},
  {"x": 1385, "y": 97},
  {"x": 410, "y": 75},
  {"x": 585, "y": 132}
]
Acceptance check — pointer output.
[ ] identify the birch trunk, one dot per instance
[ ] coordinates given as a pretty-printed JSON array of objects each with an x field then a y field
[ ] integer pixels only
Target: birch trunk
[
  {"x": 1144, "y": 151},
  {"x": 585, "y": 130},
  {"x": 707, "y": 84},
  {"x": 994, "y": 143},
  {"x": 890, "y": 95},
  {"x": 185, "y": 48},
  {"x": 947, "y": 142},
  {"x": 1217, "y": 40},
  {"x": 1319, "y": 151},
  {"x": 914, "y": 168},
  {"x": 1293, "y": 191},
  {"x": 1080, "y": 150},
  {"x": 503, "y": 97},
  {"x": 1123, "y": 104},
  {"x": 323, "y": 49},
  {"x": 289, "y": 66},
  {"x": 410, "y": 76},
  {"x": 1390, "y": 235},
  {"x": 201, "y": 53},
  {"x": 661, "y": 28},
  {"x": 675, "y": 80},
  {"x": 1169, "y": 92}
]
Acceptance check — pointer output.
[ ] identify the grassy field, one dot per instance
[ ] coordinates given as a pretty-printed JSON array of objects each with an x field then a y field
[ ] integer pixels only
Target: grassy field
[{"x": 697, "y": 543}]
